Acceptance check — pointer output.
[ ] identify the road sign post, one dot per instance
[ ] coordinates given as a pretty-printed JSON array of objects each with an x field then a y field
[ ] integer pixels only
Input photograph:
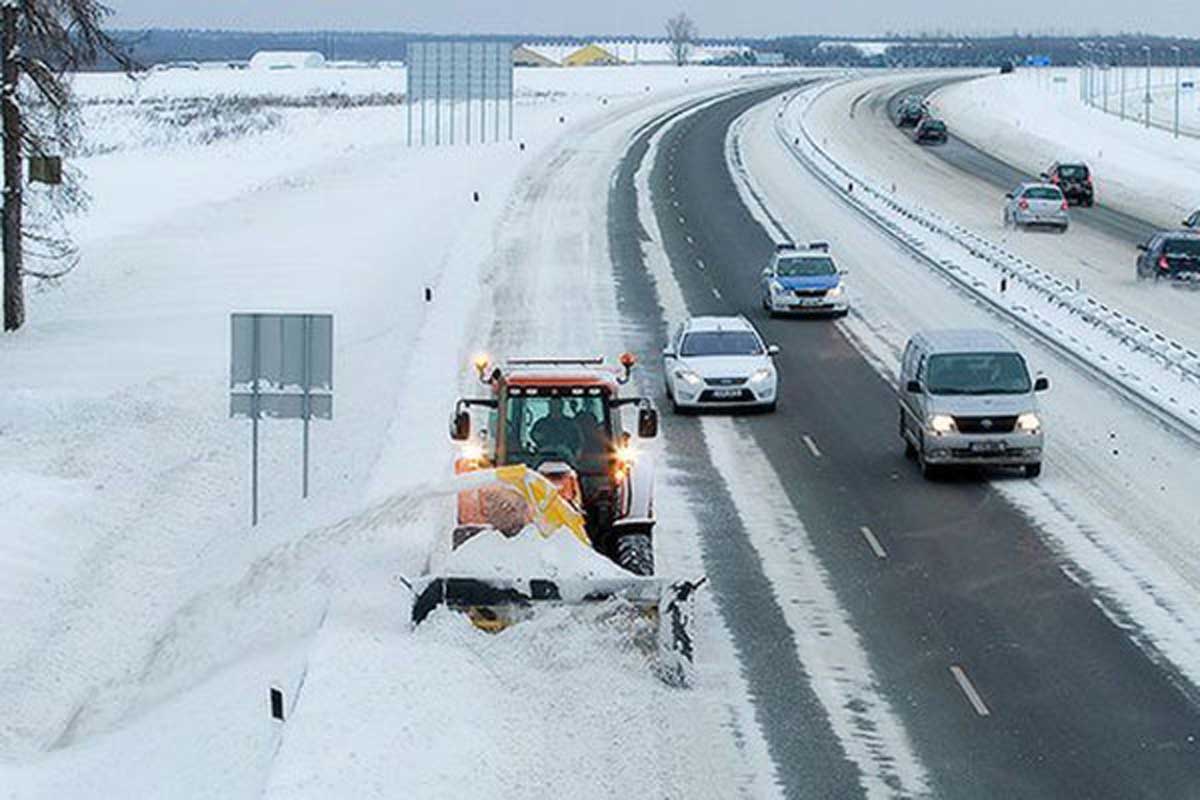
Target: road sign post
[
  {"x": 460, "y": 72},
  {"x": 281, "y": 366}
]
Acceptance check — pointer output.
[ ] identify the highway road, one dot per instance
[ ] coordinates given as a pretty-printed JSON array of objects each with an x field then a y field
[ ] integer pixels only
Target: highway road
[{"x": 1009, "y": 679}]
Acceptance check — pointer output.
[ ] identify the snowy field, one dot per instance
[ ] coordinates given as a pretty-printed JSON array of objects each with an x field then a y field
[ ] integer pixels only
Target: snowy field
[
  {"x": 1031, "y": 120},
  {"x": 145, "y": 619}
]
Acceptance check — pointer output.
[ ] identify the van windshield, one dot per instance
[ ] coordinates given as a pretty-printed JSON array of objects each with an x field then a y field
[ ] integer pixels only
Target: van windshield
[{"x": 977, "y": 373}]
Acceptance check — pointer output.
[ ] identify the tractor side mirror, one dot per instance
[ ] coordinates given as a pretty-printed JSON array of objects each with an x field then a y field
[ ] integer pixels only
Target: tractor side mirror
[
  {"x": 460, "y": 426},
  {"x": 1045, "y": 176},
  {"x": 913, "y": 387},
  {"x": 647, "y": 423},
  {"x": 1041, "y": 384}
]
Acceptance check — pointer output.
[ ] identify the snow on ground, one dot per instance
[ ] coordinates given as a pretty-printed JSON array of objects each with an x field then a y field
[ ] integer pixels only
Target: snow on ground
[
  {"x": 1116, "y": 499},
  {"x": 1030, "y": 121},
  {"x": 145, "y": 619}
]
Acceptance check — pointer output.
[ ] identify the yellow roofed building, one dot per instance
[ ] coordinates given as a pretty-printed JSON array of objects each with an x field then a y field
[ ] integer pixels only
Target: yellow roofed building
[{"x": 591, "y": 55}]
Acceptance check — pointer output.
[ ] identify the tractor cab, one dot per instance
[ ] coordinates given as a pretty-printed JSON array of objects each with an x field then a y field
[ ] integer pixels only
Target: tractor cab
[{"x": 563, "y": 418}]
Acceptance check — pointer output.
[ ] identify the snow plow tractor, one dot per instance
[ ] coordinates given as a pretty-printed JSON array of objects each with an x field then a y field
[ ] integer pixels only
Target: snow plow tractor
[{"x": 553, "y": 465}]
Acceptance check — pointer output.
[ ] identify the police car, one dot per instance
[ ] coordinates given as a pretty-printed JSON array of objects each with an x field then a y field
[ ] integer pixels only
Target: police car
[{"x": 804, "y": 281}]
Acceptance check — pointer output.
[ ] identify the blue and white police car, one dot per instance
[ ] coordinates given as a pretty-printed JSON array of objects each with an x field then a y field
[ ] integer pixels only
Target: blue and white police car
[{"x": 804, "y": 281}]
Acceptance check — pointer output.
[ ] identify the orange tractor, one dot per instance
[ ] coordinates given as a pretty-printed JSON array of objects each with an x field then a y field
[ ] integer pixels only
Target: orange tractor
[{"x": 553, "y": 452}]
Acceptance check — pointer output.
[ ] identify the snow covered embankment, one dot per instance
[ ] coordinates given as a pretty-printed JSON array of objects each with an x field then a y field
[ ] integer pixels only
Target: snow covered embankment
[{"x": 1160, "y": 374}]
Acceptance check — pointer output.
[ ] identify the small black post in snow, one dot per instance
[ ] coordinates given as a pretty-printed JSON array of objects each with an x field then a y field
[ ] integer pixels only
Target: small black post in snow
[
  {"x": 475, "y": 196},
  {"x": 428, "y": 294},
  {"x": 277, "y": 704},
  {"x": 1004, "y": 284}
]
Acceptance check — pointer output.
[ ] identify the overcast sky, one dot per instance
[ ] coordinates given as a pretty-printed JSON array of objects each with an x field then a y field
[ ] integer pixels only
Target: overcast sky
[{"x": 645, "y": 17}]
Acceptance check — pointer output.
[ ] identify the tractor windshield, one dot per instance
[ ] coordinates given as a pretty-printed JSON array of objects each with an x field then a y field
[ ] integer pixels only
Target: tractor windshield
[{"x": 552, "y": 425}]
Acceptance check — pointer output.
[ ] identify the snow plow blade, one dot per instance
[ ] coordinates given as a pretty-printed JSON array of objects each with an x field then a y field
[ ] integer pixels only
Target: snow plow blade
[{"x": 493, "y": 604}]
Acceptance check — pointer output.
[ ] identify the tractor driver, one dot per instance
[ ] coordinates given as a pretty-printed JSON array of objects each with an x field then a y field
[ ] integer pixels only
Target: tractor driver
[{"x": 556, "y": 431}]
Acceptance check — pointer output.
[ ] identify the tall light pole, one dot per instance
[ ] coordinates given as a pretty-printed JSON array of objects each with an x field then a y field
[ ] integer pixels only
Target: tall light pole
[
  {"x": 1147, "y": 100},
  {"x": 1176, "y": 49},
  {"x": 1105, "y": 60},
  {"x": 1121, "y": 65}
]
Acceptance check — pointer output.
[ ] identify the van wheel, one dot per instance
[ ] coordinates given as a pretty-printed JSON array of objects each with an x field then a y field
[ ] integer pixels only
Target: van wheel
[
  {"x": 910, "y": 452},
  {"x": 1033, "y": 470}
]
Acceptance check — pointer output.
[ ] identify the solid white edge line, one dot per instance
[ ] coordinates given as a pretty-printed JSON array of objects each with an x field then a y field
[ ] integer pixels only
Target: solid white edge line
[
  {"x": 812, "y": 446},
  {"x": 968, "y": 689},
  {"x": 873, "y": 542}
]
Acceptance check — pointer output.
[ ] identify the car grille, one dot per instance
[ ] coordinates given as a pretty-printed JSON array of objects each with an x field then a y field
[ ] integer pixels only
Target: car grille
[
  {"x": 985, "y": 424},
  {"x": 743, "y": 396},
  {"x": 810, "y": 292},
  {"x": 724, "y": 381}
]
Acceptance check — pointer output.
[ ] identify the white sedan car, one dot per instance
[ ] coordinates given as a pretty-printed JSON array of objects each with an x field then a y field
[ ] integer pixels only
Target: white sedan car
[{"x": 720, "y": 362}]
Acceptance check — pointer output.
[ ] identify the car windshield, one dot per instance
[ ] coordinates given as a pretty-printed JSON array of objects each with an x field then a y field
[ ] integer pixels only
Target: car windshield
[
  {"x": 721, "y": 343},
  {"x": 1073, "y": 172},
  {"x": 1182, "y": 248},
  {"x": 1043, "y": 193},
  {"x": 545, "y": 426},
  {"x": 977, "y": 373},
  {"x": 811, "y": 266}
]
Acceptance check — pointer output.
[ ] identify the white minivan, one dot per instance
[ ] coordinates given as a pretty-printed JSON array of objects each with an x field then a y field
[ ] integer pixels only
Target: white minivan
[{"x": 966, "y": 398}]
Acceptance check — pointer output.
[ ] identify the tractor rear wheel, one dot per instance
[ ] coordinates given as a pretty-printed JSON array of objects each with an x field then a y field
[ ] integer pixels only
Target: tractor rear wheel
[{"x": 635, "y": 553}]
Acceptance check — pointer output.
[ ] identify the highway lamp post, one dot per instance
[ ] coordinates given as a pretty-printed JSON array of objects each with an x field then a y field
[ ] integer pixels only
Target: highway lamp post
[
  {"x": 1147, "y": 99},
  {"x": 1104, "y": 74},
  {"x": 1121, "y": 66},
  {"x": 1177, "y": 56}
]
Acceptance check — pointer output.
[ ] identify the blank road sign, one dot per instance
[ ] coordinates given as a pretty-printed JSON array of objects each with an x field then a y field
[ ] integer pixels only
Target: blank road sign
[{"x": 284, "y": 351}]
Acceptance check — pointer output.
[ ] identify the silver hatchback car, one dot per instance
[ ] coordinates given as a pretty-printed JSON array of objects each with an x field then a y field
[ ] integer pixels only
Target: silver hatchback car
[
  {"x": 966, "y": 398},
  {"x": 1036, "y": 204}
]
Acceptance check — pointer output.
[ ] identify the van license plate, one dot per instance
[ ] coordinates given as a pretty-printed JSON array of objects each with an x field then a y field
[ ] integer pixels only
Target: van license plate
[{"x": 987, "y": 447}]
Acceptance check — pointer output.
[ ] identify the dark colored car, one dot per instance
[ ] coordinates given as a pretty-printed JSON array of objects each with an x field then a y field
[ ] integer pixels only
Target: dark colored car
[
  {"x": 1007, "y": 68},
  {"x": 1171, "y": 254},
  {"x": 910, "y": 111},
  {"x": 1075, "y": 180},
  {"x": 930, "y": 131}
]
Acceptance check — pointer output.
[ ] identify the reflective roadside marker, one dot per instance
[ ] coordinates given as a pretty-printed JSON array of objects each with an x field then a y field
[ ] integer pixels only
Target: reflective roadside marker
[
  {"x": 277, "y": 704},
  {"x": 428, "y": 294}
]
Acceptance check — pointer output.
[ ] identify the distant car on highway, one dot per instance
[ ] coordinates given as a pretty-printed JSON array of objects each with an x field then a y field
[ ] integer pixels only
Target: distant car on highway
[
  {"x": 966, "y": 399},
  {"x": 1173, "y": 255},
  {"x": 930, "y": 131},
  {"x": 804, "y": 282},
  {"x": 1075, "y": 181},
  {"x": 720, "y": 362},
  {"x": 1007, "y": 68},
  {"x": 1036, "y": 204},
  {"x": 910, "y": 110}
]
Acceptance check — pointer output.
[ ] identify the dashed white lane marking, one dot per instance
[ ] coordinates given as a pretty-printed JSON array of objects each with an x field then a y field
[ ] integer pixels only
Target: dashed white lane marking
[
  {"x": 716, "y": 294},
  {"x": 968, "y": 689},
  {"x": 873, "y": 542},
  {"x": 690, "y": 239},
  {"x": 812, "y": 446},
  {"x": 682, "y": 221},
  {"x": 700, "y": 263}
]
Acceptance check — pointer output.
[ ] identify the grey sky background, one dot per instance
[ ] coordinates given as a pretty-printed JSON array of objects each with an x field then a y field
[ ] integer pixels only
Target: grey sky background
[{"x": 645, "y": 17}]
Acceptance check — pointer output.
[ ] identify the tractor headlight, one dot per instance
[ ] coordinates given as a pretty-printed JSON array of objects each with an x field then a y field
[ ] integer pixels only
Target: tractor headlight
[
  {"x": 1029, "y": 423},
  {"x": 623, "y": 458},
  {"x": 760, "y": 375},
  {"x": 688, "y": 377},
  {"x": 942, "y": 423}
]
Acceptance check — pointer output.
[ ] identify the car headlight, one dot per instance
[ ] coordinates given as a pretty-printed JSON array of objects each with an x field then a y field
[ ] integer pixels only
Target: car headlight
[
  {"x": 1029, "y": 423},
  {"x": 688, "y": 377},
  {"x": 835, "y": 291},
  {"x": 942, "y": 423},
  {"x": 760, "y": 375},
  {"x": 776, "y": 287}
]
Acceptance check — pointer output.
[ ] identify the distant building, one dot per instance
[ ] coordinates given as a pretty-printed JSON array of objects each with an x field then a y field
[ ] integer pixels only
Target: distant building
[
  {"x": 524, "y": 56},
  {"x": 591, "y": 55},
  {"x": 287, "y": 59},
  {"x": 768, "y": 58}
]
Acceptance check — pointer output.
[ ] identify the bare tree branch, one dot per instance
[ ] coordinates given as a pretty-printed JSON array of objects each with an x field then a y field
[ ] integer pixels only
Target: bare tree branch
[{"x": 681, "y": 35}]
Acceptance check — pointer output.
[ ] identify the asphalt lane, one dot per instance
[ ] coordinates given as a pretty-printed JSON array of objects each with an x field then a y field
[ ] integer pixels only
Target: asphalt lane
[
  {"x": 1005, "y": 177},
  {"x": 969, "y": 604},
  {"x": 810, "y": 762}
]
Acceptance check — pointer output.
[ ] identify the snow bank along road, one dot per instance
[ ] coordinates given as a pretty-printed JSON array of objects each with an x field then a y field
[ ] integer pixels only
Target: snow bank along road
[{"x": 1005, "y": 622}]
